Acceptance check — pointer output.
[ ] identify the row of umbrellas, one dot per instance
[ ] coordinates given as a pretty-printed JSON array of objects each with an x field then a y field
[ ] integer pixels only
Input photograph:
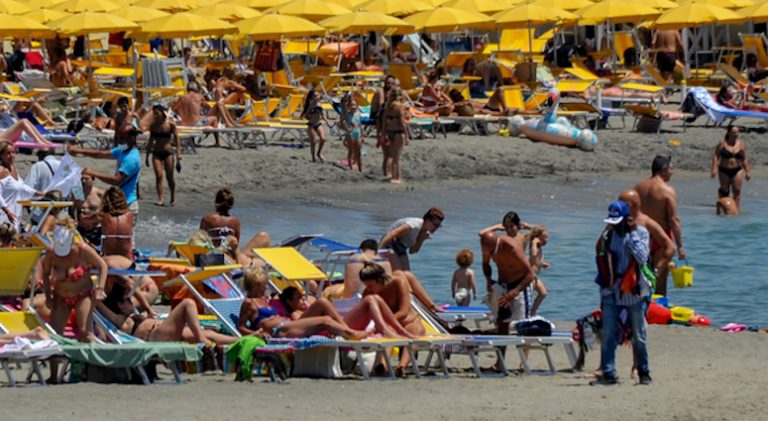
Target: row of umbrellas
[{"x": 42, "y": 18}]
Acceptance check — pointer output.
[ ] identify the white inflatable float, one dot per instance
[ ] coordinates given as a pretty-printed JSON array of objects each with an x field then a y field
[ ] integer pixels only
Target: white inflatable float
[{"x": 553, "y": 130}]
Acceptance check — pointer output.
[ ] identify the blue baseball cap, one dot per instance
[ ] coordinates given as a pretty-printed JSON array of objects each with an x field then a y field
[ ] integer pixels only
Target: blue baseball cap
[{"x": 617, "y": 211}]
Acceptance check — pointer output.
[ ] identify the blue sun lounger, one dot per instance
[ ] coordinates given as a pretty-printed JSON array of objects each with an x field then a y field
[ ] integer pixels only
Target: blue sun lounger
[{"x": 718, "y": 112}]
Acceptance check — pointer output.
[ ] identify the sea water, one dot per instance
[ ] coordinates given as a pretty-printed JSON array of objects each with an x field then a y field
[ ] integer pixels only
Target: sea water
[{"x": 730, "y": 271}]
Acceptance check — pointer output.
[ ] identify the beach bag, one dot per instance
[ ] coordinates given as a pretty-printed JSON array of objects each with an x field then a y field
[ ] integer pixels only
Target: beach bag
[
  {"x": 267, "y": 58},
  {"x": 534, "y": 327}
]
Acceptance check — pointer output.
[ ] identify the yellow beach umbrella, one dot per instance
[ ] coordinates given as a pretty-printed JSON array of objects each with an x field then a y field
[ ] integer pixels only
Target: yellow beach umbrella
[
  {"x": 186, "y": 25},
  {"x": 313, "y": 10},
  {"x": 364, "y": 22},
  {"x": 660, "y": 4},
  {"x": 22, "y": 27},
  {"x": 349, "y": 4},
  {"x": 530, "y": 15},
  {"x": 275, "y": 27},
  {"x": 169, "y": 5},
  {"x": 256, "y": 4},
  {"x": 139, "y": 14},
  {"x": 756, "y": 13},
  {"x": 616, "y": 11},
  {"x": 725, "y": 4},
  {"x": 77, "y": 6},
  {"x": 435, "y": 3},
  {"x": 692, "y": 15},
  {"x": 13, "y": 7},
  {"x": 482, "y": 6},
  {"x": 447, "y": 19},
  {"x": 41, "y": 4},
  {"x": 227, "y": 12},
  {"x": 91, "y": 22},
  {"x": 396, "y": 7},
  {"x": 567, "y": 5},
  {"x": 45, "y": 15}
]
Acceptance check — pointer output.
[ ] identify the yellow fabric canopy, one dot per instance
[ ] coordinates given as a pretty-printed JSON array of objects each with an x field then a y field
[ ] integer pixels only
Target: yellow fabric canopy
[
  {"x": 396, "y": 7},
  {"x": 447, "y": 19},
  {"x": 22, "y": 27},
  {"x": 227, "y": 12},
  {"x": 692, "y": 15},
  {"x": 364, "y": 22},
  {"x": 275, "y": 27},
  {"x": 91, "y": 22},
  {"x": 186, "y": 25},
  {"x": 77, "y": 6},
  {"x": 313, "y": 10}
]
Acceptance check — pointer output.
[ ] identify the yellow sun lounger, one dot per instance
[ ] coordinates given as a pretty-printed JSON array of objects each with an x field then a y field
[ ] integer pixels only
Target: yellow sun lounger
[
  {"x": 16, "y": 266},
  {"x": 292, "y": 266}
]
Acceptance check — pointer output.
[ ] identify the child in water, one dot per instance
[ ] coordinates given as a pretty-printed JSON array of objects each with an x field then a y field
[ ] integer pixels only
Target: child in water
[
  {"x": 464, "y": 279},
  {"x": 537, "y": 239},
  {"x": 353, "y": 134}
]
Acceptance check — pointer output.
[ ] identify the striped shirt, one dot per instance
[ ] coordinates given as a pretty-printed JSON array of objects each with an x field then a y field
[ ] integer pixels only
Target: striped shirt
[{"x": 635, "y": 245}]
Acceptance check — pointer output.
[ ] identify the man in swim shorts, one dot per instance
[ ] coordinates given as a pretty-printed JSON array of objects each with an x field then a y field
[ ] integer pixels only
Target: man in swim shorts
[
  {"x": 668, "y": 45},
  {"x": 658, "y": 200}
]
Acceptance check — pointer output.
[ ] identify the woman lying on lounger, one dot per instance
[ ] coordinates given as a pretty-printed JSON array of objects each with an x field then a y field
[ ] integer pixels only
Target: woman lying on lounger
[
  {"x": 258, "y": 312},
  {"x": 182, "y": 323}
]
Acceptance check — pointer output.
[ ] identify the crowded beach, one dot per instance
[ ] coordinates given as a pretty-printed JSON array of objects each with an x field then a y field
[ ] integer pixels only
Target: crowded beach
[{"x": 385, "y": 97}]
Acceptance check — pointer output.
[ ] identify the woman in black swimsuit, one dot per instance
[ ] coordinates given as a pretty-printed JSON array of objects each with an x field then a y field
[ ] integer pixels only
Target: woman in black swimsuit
[
  {"x": 396, "y": 130},
  {"x": 313, "y": 112},
  {"x": 160, "y": 132},
  {"x": 730, "y": 165}
]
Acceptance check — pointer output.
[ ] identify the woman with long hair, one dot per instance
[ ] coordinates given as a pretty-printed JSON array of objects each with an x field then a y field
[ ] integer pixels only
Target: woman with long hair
[
  {"x": 313, "y": 112},
  {"x": 221, "y": 224},
  {"x": 396, "y": 131},
  {"x": 116, "y": 224},
  {"x": 161, "y": 130},
  {"x": 12, "y": 187}
]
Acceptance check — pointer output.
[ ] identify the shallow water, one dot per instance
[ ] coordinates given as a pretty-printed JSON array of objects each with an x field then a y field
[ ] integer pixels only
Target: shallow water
[{"x": 729, "y": 278}]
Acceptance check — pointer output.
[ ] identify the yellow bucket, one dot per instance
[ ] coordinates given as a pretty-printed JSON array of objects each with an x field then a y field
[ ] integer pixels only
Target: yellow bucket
[
  {"x": 682, "y": 314},
  {"x": 682, "y": 276}
]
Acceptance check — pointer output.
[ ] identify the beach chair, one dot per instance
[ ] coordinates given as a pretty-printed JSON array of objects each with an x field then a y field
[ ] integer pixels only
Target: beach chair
[
  {"x": 755, "y": 44},
  {"x": 16, "y": 267},
  {"x": 736, "y": 77},
  {"x": 291, "y": 266},
  {"x": 215, "y": 280},
  {"x": 717, "y": 112},
  {"x": 334, "y": 253},
  {"x": 25, "y": 322},
  {"x": 649, "y": 117},
  {"x": 408, "y": 82}
]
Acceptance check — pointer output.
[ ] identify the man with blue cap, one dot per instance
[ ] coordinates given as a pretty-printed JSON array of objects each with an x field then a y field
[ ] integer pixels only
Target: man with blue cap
[{"x": 625, "y": 288}]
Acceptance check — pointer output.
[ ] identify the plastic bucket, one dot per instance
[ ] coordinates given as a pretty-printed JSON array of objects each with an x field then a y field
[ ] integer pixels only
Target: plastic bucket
[
  {"x": 682, "y": 276},
  {"x": 682, "y": 314},
  {"x": 657, "y": 314}
]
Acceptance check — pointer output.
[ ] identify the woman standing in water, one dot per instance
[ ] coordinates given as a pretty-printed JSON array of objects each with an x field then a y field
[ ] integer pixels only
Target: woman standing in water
[
  {"x": 731, "y": 165},
  {"x": 161, "y": 130}
]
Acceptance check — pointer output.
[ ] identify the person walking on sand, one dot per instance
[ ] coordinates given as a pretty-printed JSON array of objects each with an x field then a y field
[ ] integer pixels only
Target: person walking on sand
[
  {"x": 463, "y": 284},
  {"x": 658, "y": 200},
  {"x": 396, "y": 131},
  {"x": 407, "y": 235},
  {"x": 623, "y": 250},
  {"x": 731, "y": 165},
  {"x": 668, "y": 46},
  {"x": 163, "y": 139},
  {"x": 313, "y": 112}
]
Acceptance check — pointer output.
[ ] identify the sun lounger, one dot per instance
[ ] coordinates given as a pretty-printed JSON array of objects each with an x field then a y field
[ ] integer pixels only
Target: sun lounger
[
  {"x": 380, "y": 347},
  {"x": 717, "y": 112},
  {"x": 648, "y": 118},
  {"x": 291, "y": 265},
  {"x": 335, "y": 253},
  {"x": 25, "y": 322},
  {"x": 33, "y": 352},
  {"x": 755, "y": 44}
]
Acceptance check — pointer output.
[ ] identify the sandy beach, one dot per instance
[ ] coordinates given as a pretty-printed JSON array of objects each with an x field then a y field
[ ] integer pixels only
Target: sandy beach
[{"x": 699, "y": 373}]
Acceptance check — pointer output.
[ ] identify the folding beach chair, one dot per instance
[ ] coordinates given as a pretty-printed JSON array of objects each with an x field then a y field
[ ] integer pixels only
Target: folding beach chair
[
  {"x": 717, "y": 112},
  {"x": 649, "y": 118},
  {"x": 755, "y": 44},
  {"x": 25, "y": 322},
  {"x": 334, "y": 253},
  {"x": 291, "y": 266}
]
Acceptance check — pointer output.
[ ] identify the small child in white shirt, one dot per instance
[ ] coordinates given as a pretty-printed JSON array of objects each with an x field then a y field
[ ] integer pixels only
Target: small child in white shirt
[{"x": 463, "y": 281}]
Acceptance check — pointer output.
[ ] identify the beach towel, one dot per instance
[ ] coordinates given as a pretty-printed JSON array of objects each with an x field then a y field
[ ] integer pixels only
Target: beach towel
[{"x": 240, "y": 354}]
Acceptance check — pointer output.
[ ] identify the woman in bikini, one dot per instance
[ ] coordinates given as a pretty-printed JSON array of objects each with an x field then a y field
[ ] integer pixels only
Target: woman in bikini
[
  {"x": 160, "y": 132},
  {"x": 377, "y": 114},
  {"x": 221, "y": 224},
  {"x": 182, "y": 323},
  {"x": 67, "y": 279},
  {"x": 116, "y": 224},
  {"x": 396, "y": 131},
  {"x": 731, "y": 165},
  {"x": 433, "y": 100},
  {"x": 313, "y": 112}
]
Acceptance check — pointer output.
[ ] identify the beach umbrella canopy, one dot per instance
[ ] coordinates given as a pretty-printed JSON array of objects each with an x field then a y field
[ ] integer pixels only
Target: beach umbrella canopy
[
  {"x": 364, "y": 22},
  {"x": 349, "y": 4},
  {"x": 169, "y": 5},
  {"x": 482, "y": 6},
  {"x": 616, "y": 11},
  {"x": 77, "y": 6},
  {"x": 660, "y": 4},
  {"x": 40, "y": 4},
  {"x": 275, "y": 27},
  {"x": 139, "y": 14},
  {"x": 692, "y": 15},
  {"x": 45, "y": 15},
  {"x": 530, "y": 15},
  {"x": 22, "y": 27},
  {"x": 313, "y": 10},
  {"x": 227, "y": 12},
  {"x": 447, "y": 19},
  {"x": 396, "y": 7},
  {"x": 435, "y": 3},
  {"x": 756, "y": 13},
  {"x": 256, "y": 4},
  {"x": 13, "y": 7},
  {"x": 185, "y": 25},
  {"x": 567, "y": 5},
  {"x": 725, "y": 4},
  {"x": 91, "y": 22}
]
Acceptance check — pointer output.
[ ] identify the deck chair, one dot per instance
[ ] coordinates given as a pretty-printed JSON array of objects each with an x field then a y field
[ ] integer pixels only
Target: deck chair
[
  {"x": 334, "y": 253},
  {"x": 717, "y": 112},
  {"x": 649, "y": 118},
  {"x": 16, "y": 267},
  {"x": 187, "y": 251},
  {"x": 226, "y": 307},
  {"x": 404, "y": 73},
  {"x": 755, "y": 44},
  {"x": 292, "y": 266},
  {"x": 622, "y": 41},
  {"x": 735, "y": 76},
  {"x": 654, "y": 75},
  {"x": 24, "y": 322}
]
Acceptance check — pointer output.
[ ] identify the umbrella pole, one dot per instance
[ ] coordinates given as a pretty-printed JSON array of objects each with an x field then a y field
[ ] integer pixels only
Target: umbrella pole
[
  {"x": 90, "y": 64},
  {"x": 135, "y": 75},
  {"x": 530, "y": 44}
]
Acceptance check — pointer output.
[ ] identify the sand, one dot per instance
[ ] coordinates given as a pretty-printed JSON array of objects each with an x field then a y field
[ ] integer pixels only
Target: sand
[{"x": 699, "y": 373}]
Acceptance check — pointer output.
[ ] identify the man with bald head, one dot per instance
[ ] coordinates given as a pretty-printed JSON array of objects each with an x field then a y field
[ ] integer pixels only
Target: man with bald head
[
  {"x": 658, "y": 200},
  {"x": 658, "y": 235}
]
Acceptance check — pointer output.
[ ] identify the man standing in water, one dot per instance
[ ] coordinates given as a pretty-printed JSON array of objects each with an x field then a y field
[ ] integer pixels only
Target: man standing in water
[
  {"x": 659, "y": 201},
  {"x": 667, "y": 45},
  {"x": 515, "y": 273}
]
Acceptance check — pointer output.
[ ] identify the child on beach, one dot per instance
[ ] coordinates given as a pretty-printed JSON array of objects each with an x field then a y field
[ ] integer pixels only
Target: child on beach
[
  {"x": 464, "y": 279},
  {"x": 353, "y": 135},
  {"x": 535, "y": 240}
]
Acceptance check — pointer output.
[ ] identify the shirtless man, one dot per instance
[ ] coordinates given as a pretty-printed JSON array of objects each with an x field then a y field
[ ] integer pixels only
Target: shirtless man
[
  {"x": 667, "y": 45},
  {"x": 515, "y": 273},
  {"x": 88, "y": 221},
  {"x": 189, "y": 106},
  {"x": 658, "y": 235},
  {"x": 726, "y": 206},
  {"x": 659, "y": 201}
]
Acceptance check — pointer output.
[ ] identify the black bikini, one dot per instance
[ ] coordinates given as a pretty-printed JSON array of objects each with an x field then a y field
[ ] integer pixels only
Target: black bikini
[
  {"x": 726, "y": 154},
  {"x": 161, "y": 155}
]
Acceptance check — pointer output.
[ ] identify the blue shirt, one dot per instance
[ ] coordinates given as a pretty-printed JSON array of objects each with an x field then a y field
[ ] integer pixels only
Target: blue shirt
[
  {"x": 129, "y": 164},
  {"x": 635, "y": 245}
]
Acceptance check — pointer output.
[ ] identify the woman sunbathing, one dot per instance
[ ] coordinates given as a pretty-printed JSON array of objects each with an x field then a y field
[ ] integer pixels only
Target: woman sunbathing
[
  {"x": 468, "y": 108},
  {"x": 726, "y": 97}
]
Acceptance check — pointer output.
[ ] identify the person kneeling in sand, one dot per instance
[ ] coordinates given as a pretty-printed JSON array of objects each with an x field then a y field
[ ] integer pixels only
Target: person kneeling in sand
[{"x": 726, "y": 206}]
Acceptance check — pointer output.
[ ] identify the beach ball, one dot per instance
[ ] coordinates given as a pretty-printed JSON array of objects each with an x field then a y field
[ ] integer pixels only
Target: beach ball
[
  {"x": 515, "y": 125},
  {"x": 587, "y": 140}
]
